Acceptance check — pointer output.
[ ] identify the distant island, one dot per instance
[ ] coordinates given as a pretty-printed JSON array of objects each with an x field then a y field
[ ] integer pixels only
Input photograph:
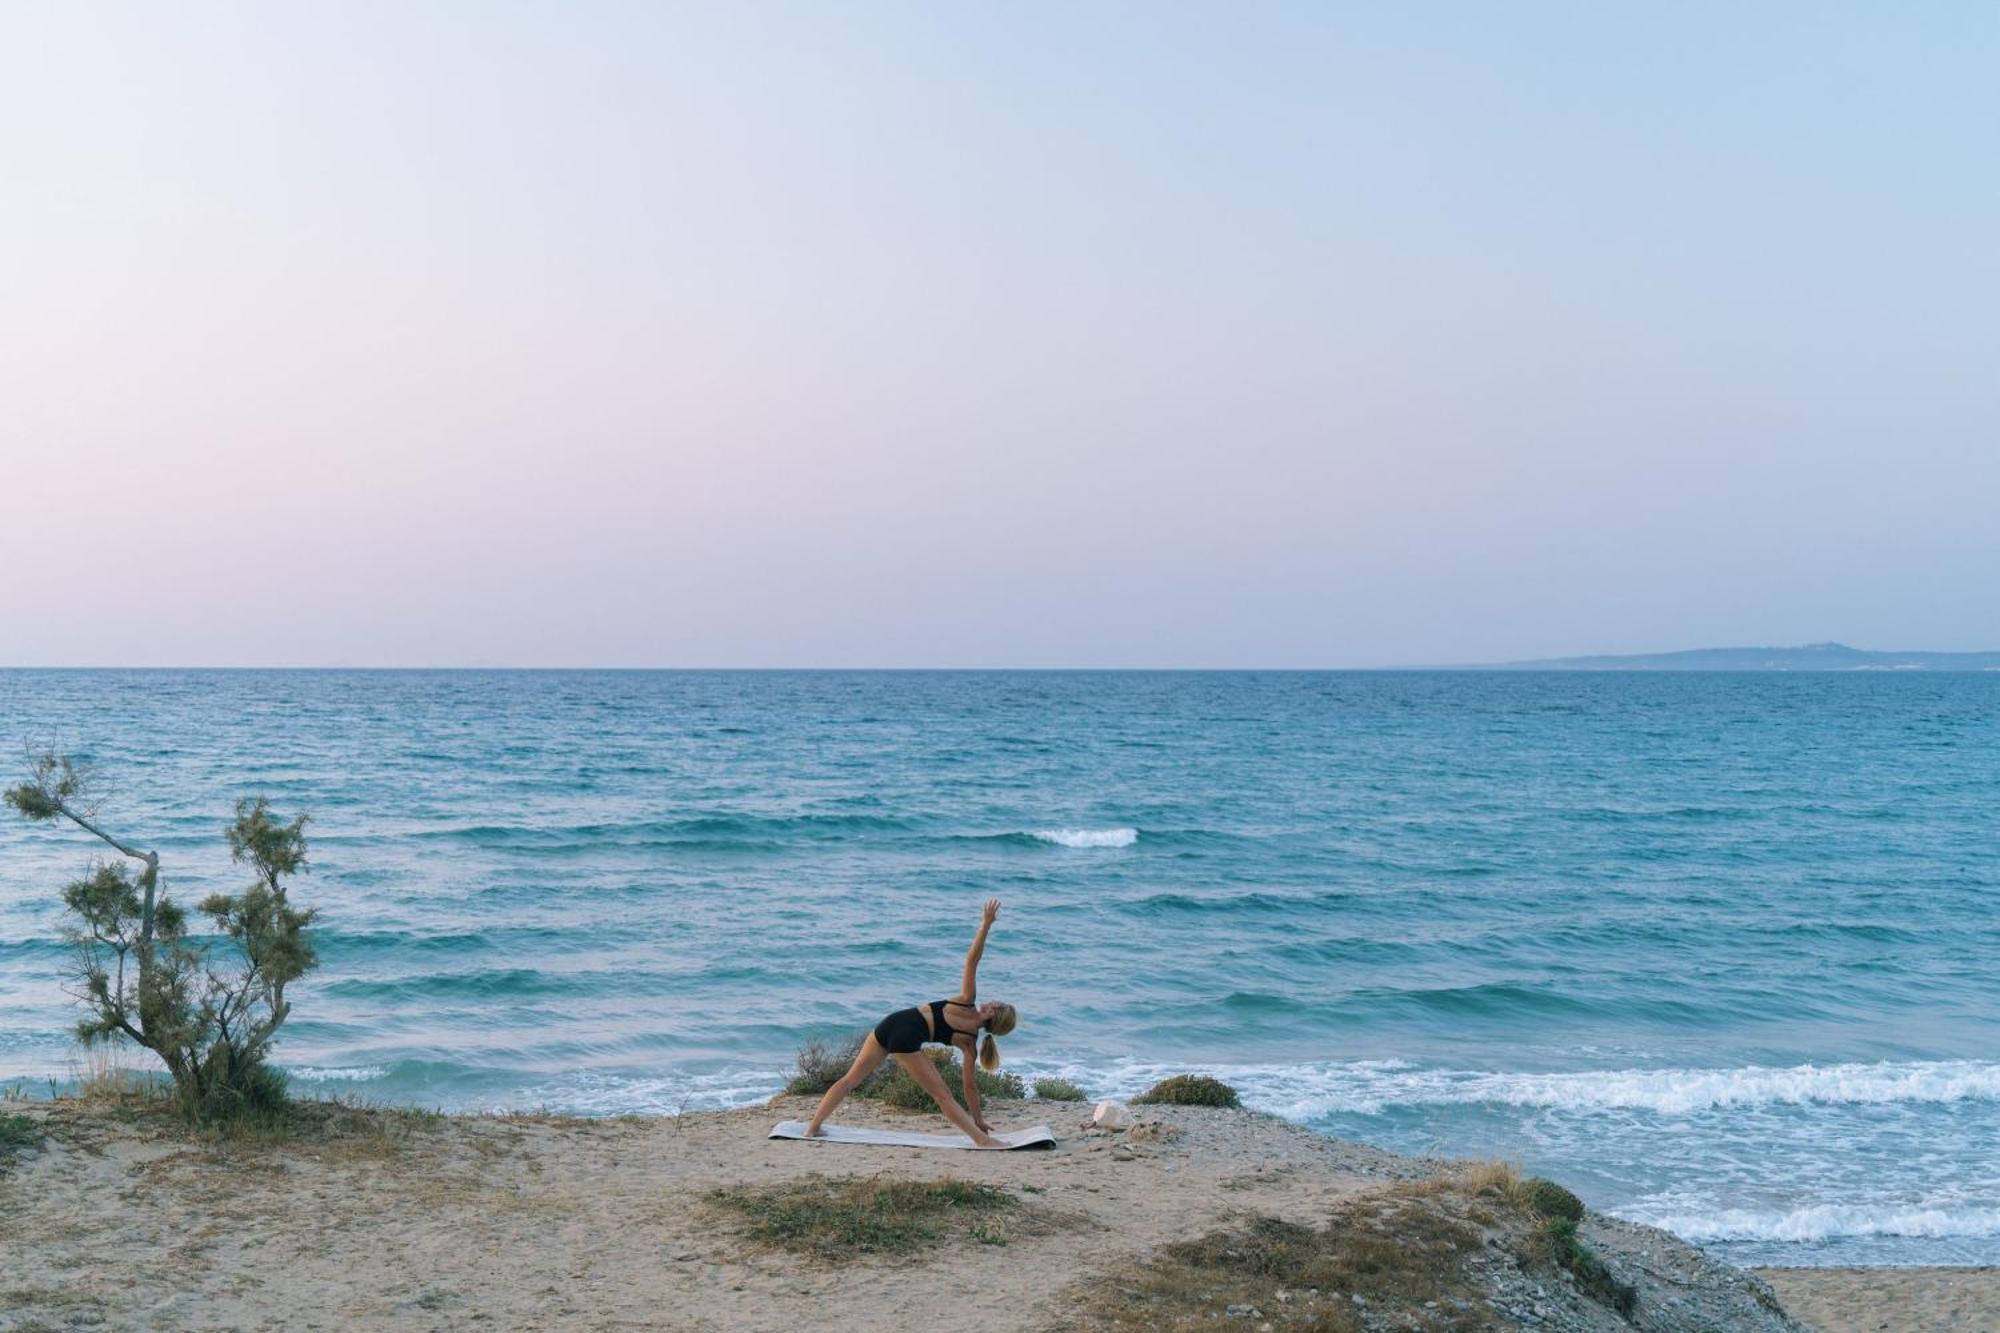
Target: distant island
[{"x": 1809, "y": 657}]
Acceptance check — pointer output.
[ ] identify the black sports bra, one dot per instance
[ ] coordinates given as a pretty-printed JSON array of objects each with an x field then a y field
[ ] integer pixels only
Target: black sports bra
[{"x": 941, "y": 1030}]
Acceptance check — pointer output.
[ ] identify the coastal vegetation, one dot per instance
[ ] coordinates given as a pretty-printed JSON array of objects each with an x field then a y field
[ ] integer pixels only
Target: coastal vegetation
[
  {"x": 1444, "y": 1254},
  {"x": 1058, "y": 1090},
  {"x": 18, "y": 1134},
  {"x": 1188, "y": 1090},
  {"x": 143, "y": 976},
  {"x": 846, "y": 1217},
  {"x": 820, "y": 1065}
]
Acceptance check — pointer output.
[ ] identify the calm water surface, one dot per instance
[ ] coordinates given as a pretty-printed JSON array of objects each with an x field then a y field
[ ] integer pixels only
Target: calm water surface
[{"x": 1721, "y": 950}]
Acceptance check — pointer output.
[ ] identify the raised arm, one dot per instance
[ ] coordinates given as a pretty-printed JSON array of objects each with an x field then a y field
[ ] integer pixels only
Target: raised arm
[{"x": 968, "y": 985}]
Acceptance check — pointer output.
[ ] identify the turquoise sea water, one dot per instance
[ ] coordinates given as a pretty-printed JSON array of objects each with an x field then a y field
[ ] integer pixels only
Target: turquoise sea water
[{"x": 1723, "y": 951}]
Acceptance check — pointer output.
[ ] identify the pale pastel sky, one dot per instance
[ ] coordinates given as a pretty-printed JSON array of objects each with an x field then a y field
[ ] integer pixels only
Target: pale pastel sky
[{"x": 994, "y": 334}]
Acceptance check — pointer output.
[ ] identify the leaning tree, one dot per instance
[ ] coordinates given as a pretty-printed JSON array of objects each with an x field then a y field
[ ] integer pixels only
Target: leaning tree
[{"x": 141, "y": 975}]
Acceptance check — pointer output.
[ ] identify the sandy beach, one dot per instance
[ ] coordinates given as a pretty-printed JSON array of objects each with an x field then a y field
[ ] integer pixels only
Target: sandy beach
[
  {"x": 1854, "y": 1300},
  {"x": 119, "y": 1218}
]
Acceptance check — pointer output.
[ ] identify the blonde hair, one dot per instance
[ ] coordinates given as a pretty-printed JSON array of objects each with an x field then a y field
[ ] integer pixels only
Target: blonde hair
[{"x": 999, "y": 1025}]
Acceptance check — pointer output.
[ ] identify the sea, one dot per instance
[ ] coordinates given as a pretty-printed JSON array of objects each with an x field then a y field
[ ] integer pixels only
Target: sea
[{"x": 1721, "y": 951}]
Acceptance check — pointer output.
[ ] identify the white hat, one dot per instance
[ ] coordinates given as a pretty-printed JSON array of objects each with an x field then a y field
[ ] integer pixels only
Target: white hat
[{"x": 1111, "y": 1115}]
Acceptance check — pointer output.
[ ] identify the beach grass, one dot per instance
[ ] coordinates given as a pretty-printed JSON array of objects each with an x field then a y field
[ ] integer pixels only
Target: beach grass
[
  {"x": 1058, "y": 1090},
  {"x": 843, "y": 1218},
  {"x": 1392, "y": 1252},
  {"x": 1405, "y": 1253},
  {"x": 18, "y": 1134}
]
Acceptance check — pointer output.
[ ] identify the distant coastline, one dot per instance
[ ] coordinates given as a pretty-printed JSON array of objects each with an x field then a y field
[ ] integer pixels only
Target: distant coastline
[{"x": 1807, "y": 657}]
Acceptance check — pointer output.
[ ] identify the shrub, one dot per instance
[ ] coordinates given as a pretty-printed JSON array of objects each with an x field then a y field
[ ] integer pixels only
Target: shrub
[
  {"x": 1058, "y": 1090},
  {"x": 821, "y": 1065},
  {"x": 1560, "y": 1213},
  {"x": 141, "y": 976},
  {"x": 896, "y": 1088},
  {"x": 1188, "y": 1090},
  {"x": 1551, "y": 1201}
]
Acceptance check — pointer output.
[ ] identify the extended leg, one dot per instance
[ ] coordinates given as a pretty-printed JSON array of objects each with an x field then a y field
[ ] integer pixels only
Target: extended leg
[
  {"x": 926, "y": 1074},
  {"x": 865, "y": 1063}
]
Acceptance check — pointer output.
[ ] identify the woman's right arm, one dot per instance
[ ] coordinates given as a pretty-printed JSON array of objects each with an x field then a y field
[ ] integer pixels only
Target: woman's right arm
[{"x": 968, "y": 984}]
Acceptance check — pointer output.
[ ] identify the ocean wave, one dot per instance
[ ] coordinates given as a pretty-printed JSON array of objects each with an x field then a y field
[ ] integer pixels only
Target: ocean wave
[
  {"x": 1822, "y": 1222},
  {"x": 1371, "y": 1087},
  {"x": 336, "y": 1073},
  {"x": 591, "y": 1093},
  {"x": 1087, "y": 837}
]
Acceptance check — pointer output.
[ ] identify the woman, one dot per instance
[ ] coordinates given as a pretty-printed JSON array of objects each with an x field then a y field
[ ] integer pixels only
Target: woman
[{"x": 953, "y": 1022}]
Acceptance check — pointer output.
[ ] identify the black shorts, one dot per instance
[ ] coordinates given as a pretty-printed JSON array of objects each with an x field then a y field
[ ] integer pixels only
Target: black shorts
[{"x": 903, "y": 1032}]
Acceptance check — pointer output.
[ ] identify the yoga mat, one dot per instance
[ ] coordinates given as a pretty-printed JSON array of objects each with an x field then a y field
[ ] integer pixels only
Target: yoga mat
[{"x": 1038, "y": 1137}]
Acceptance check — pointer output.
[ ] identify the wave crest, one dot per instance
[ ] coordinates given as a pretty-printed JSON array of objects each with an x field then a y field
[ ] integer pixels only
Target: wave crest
[
  {"x": 1823, "y": 1222},
  {"x": 1087, "y": 837}
]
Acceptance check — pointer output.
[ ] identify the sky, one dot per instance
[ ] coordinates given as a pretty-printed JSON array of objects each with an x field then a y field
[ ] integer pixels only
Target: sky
[{"x": 982, "y": 334}]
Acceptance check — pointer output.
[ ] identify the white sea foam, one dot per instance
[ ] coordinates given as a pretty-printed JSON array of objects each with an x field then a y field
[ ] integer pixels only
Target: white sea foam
[
  {"x": 1822, "y": 1222},
  {"x": 589, "y": 1093},
  {"x": 1308, "y": 1092},
  {"x": 1088, "y": 837},
  {"x": 336, "y": 1074}
]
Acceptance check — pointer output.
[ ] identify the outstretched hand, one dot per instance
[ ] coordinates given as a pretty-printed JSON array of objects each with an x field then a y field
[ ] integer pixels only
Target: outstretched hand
[{"x": 990, "y": 911}]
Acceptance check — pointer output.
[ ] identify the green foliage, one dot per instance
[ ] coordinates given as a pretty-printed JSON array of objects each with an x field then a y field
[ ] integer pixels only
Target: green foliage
[
  {"x": 141, "y": 977},
  {"x": 896, "y": 1088},
  {"x": 1188, "y": 1090},
  {"x": 1551, "y": 1201},
  {"x": 1565, "y": 1248},
  {"x": 1058, "y": 1090},
  {"x": 18, "y": 1133},
  {"x": 1561, "y": 1213},
  {"x": 846, "y": 1218},
  {"x": 821, "y": 1064},
  {"x": 54, "y": 781}
]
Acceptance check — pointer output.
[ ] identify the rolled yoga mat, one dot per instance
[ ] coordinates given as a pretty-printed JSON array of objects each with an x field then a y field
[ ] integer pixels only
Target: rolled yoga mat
[{"x": 1038, "y": 1137}]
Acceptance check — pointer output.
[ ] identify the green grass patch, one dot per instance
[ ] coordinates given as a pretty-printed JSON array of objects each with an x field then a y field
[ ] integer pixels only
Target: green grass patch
[
  {"x": 1188, "y": 1090},
  {"x": 18, "y": 1134},
  {"x": 1058, "y": 1090},
  {"x": 843, "y": 1218}
]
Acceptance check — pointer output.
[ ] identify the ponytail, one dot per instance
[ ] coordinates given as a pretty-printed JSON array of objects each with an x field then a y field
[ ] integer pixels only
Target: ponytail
[{"x": 999, "y": 1025}]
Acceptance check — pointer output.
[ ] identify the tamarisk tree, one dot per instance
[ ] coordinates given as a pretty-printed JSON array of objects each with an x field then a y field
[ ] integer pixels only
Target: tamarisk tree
[{"x": 142, "y": 977}]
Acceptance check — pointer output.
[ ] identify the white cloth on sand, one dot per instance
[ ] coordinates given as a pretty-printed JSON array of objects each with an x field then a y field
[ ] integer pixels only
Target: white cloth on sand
[{"x": 1038, "y": 1137}]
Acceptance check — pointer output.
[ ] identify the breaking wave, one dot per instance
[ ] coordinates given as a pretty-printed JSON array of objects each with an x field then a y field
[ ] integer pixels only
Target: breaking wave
[{"x": 1087, "y": 837}]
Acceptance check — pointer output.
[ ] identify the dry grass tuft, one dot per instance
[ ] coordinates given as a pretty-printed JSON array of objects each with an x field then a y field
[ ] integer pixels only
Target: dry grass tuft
[
  {"x": 1407, "y": 1256},
  {"x": 845, "y": 1218}
]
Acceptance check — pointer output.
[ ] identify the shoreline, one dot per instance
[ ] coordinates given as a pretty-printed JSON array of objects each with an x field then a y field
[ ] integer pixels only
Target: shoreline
[{"x": 386, "y": 1219}]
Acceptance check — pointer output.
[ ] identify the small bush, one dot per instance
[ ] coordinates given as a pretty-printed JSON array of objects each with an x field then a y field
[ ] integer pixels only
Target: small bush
[
  {"x": 1551, "y": 1201},
  {"x": 896, "y": 1088},
  {"x": 1188, "y": 1090},
  {"x": 847, "y": 1218},
  {"x": 1560, "y": 1212},
  {"x": 821, "y": 1065},
  {"x": 1058, "y": 1090}
]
